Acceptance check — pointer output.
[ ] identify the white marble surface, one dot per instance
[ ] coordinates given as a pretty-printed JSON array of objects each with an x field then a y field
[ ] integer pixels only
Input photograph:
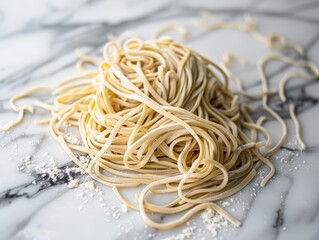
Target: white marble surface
[{"x": 37, "y": 43}]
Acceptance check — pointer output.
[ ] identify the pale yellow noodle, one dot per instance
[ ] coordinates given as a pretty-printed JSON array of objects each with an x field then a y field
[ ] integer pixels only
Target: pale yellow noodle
[
  {"x": 297, "y": 126},
  {"x": 156, "y": 113},
  {"x": 226, "y": 63},
  {"x": 272, "y": 40},
  {"x": 169, "y": 27}
]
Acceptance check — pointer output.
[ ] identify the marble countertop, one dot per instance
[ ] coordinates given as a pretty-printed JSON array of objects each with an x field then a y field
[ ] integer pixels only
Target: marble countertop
[{"x": 37, "y": 43}]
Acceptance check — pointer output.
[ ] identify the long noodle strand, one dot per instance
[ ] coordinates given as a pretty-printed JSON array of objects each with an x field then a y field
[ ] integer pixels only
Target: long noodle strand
[{"x": 158, "y": 114}]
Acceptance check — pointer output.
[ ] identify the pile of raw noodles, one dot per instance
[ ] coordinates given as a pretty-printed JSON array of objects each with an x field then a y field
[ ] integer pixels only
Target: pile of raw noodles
[{"x": 158, "y": 114}]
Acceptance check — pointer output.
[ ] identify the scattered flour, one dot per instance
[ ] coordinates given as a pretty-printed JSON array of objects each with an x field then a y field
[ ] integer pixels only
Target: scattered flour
[
  {"x": 70, "y": 138},
  {"x": 90, "y": 190},
  {"x": 214, "y": 221},
  {"x": 124, "y": 208},
  {"x": 186, "y": 233},
  {"x": 73, "y": 183},
  {"x": 51, "y": 171},
  {"x": 226, "y": 204}
]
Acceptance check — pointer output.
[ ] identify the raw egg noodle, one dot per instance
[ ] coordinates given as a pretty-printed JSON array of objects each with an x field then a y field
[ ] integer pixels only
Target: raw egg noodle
[{"x": 158, "y": 114}]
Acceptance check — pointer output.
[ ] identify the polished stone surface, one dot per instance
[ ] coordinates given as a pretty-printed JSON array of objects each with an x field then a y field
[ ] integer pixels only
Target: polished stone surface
[{"x": 37, "y": 43}]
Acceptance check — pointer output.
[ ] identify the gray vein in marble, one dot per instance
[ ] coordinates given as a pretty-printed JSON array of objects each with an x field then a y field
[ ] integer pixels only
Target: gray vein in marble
[
  {"x": 66, "y": 35},
  {"x": 280, "y": 219}
]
